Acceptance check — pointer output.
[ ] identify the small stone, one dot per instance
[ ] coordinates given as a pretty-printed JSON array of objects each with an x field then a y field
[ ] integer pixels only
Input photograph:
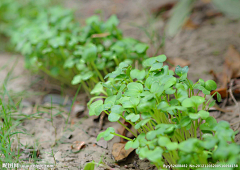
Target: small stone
[{"x": 102, "y": 143}]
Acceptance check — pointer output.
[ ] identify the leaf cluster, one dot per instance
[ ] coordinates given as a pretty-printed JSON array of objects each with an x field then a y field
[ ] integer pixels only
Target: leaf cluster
[
  {"x": 172, "y": 121},
  {"x": 53, "y": 42}
]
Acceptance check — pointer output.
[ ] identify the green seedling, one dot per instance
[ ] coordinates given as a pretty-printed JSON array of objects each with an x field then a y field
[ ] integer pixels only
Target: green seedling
[
  {"x": 93, "y": 164},
  {"x": 173, "y": 122},
  {"x": 54, "y": 43}
]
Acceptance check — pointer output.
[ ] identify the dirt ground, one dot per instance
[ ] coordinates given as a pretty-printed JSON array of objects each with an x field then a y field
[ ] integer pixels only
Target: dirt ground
[{"x": 204, "y": 47}]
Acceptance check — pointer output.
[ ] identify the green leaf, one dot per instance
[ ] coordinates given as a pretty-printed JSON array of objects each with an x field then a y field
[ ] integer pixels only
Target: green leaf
[
  {"x": 113, "y": 117},
  {"x": 141, "y": 48},
  {"x": 133, "y": 117},
  {"x": 89, "y": 166},
  {"x": 209, "y": 124},
  {"x": 107, "y": 54},
  {"x": 132, "y": 144},
  {"x": 210, "y": 85},
  {"x": 131, "y": 102},
  {"x": 155, "y": 155},
  {"x": 172, "y": 146},
  {"x": 145, "y": 106},
  {"x": 112, "y": 21},
  {"x": 163, "y": 105},
  {"x": 128, "y": 70},
  {"x": 57, "y": 41},
  {"x": 87, "y": 75},
  {"x": 93, "y": 106},
  {"x": 128, "y": 145},
  {"x": 161, "y": 58},
  {"x": 114, "y": 74},
  {"x": 100, "y": 108},
  {"x": 77, "y": 79},
  {"x": 55, "y": 71},
  {"x": 201, "y": 81},
  {"x": 115, "y": 114},
  {"x": 188, "y": 103},
  {"x": 123, "y": 65},
  {"x": 149, "y": 62},
  {"x": 92, "y": 19},
  {"x": 149, "y": 81},
  {"x": 141, "y": 123},
  {"x": 119, "y": 95},
  {"x": 209, "y": 142},
  {"x": 194, "y": 101},
  {"x": 154, "y": 87},
  {"x": 190, "y": 145},
  {"x": 110, "y": 100},
  {"x": 212, "y": 104},
  {"x": 118, "y": 49},
  {"x": 203, "y": 114},
  {"x": 90, "y": 52},
  {"x": 156, "y": 66},
  {"x": 197, "y": 100},
  {"x": 185, "y": 121},
  {"x": 69, "y": 63},
  {"x": 170, "y": 91},
  {"x": 194, "y": 116},
  {"x": 80, "y": 66},
  {"x": 170, "y": 82},
  {"x": 26, "y": 49},
  {"x": 182, "y": 94},
  {"x": 206, "y": 92},
  {"x": 176, "y": 107},
  {"x": 163, "y": 141},
  {"x": 135, "y": 144},
  {"x": 107, "y": 134},
  {"x": 151, "y": 135},
  {"x": 143, "y": 152},
  {"x": 134, "y": 89},
  {"x": 98, "y": 88},
  {"x": 117, "y": 109},
  {"x": 181, "y": 71},
  {"x": 137, "y": 74},
  {"x": 219, "y": 98},
  {"x": 188, "y": 127}
]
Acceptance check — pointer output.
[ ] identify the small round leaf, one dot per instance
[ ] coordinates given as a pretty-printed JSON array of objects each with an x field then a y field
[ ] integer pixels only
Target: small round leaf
[
  {"x": 210, "y": 85},
  {"x": 203, "y": 114}
]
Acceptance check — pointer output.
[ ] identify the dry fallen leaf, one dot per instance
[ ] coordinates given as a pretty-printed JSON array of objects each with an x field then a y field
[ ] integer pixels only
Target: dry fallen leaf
[
  {"x": 190, "y": 25},
  {"x": 221, "y": 91},
  {"x": 232, "y": 61},
  {"x": 77, "y": 146},
  {"x": 100, "y": 35},
  {"x": 101, "y": 117},
  {"x": 231, "y": 70},
  {"x": 122, "y": 131},
  {"x": 119, "y": 153}
]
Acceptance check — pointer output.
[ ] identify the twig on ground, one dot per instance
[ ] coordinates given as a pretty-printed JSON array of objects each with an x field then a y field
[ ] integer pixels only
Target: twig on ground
[
  {"x": 223, "y": 106},
  {"x": 235, "y": 123},
  {"x": 101, "y": 120},
  {"x": 236, "y": 103}
]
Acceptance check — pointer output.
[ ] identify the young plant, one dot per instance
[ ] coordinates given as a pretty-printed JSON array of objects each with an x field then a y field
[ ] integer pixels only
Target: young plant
[
  {"x": 54, "y": 43},
  {"x": 172, "y": 122}
]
